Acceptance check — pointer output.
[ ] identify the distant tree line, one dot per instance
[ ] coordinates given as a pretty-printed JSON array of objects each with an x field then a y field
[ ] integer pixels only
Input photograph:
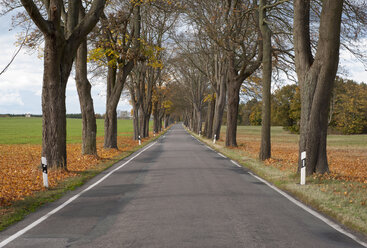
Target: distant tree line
[{"x": 348, "y": 108}]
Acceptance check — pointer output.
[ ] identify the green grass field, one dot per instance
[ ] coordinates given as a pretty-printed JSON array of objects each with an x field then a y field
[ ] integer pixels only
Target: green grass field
[{"x": 21, "y": 130}]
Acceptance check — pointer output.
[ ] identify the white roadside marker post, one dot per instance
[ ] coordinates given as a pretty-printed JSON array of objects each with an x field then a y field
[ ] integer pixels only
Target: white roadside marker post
[
  {"x": 44, "y": 171},
  {"x": 139, "y": 140},
  {"x": 303, "y": 168},
  {"x": 199, "y": 133},
  {"x": 154, "y": 133},
  {"x": 215, "y": 138}
]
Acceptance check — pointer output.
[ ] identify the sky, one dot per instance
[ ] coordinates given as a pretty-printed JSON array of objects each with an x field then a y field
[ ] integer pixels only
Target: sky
[{"x": 21, "y": 84}]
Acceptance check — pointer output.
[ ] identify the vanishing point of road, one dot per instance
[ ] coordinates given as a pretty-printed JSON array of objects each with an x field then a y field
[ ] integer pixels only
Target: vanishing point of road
[{"x": 176, "y": 192}]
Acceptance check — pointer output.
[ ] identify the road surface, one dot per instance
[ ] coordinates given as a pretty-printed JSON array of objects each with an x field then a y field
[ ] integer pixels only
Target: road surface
[{"x": 176, "y": 193}]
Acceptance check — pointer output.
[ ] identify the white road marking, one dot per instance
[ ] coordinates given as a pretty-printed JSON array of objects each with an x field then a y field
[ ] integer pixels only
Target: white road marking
[
  {"x": 40, "y": 220},
  {"x": 209, "y": 148},
  {"x": 236, "y": 164},
  {"x": 220, "y": 154},
  {"x": 313, "y": 212}
]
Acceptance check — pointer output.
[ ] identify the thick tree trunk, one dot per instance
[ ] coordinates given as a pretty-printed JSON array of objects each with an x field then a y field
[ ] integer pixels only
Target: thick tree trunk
[
  {"x": 232, "y": 112},
  {"x": 115, "y": 85},
  {"x": 89, "y": 130},
  {"x": 147, "y": 118},
  {"x": 316, "y": 78},
  {"x": 55, "y": 77},
  {"x": 155, "y": 117},
  {"x": 110, "y": 123},
  {"x": 265, "y": 147},
  {"x": 61, "y": 44},
  {"x": 220, "y": 104},
  {"x": 156, "y": 122}
]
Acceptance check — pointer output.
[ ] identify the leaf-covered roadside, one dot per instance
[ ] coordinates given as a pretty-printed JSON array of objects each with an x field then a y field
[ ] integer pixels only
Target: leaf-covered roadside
[
  {"x": 345, "y": 163},
  {"x": 21, "y": 176}
]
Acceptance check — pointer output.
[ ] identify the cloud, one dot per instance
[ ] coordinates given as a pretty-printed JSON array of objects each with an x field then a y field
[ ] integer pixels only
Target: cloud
[{"x": 9, "y": 98}]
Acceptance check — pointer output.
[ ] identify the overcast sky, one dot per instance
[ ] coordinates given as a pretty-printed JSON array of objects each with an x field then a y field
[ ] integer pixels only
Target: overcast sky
[{"x": 21, "y": 84}]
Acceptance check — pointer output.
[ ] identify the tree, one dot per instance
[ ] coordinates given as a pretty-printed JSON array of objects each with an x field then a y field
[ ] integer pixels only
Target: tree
[
  {"x": 89, "y": 125},
  {"x": 349, "y": 107},
  {"x": 233, "y": 27},
  {"x": 194, "y": 85},
  {"x": 316, "y": 75},
  {"x": 265, "y": 147},
  {"x": 284, "y": 103},
  {"x": 244, "y": 54},
  {"x": 118, "y": 49},
  {"x": 62, "y": 40}
]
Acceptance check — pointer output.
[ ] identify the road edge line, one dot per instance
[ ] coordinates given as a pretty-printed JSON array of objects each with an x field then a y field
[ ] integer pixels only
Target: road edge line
[
  {"x": 67, "y": 202},
  {"x": 332, "y": 224}
]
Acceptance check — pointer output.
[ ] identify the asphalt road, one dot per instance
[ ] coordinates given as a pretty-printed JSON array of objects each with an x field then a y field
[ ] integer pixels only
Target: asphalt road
[{"x": 177, "y": 193}]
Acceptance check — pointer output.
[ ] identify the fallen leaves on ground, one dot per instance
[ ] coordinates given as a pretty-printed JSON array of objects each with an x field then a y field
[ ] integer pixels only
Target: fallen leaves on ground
[
  {"x": 346, "y": 164},
  {"x": 20, "y": 171}
]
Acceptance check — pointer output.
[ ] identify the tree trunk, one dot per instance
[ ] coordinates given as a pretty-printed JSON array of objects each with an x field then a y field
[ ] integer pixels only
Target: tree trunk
[
  {"x": 55, "y": 77},
  {"x": 147, "y": 119},
  {"x": 232, "y": 111},
  {"x": 142, "y": 121},
  {"x": 61, "y": 44},
  {"x": 316, "y": 78},
  {"x": 220, "y": 104},
  {"x": 205, "y": 132},
  {"x": 136, "y": 123},
  {"x": 156, "y": 117},
  {"x": 265, "y": 147},
  {"x": 89, "y": 130},
  {"x": 209, "y": 131},
  {"x": 110, "y": 123},
  {"x": 156, "y": 122},
  {"x": 160, "y": 123},
  {"x": 166, "y": 121},
  {"x": 199, "y": 121}
]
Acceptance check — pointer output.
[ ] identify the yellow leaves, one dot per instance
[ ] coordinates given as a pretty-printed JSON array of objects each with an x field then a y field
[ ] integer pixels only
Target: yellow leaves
[
  {"x": 167, "y": 105},
  {"x": 152, "y": 53},
  {"x": 210, "y": 97}
]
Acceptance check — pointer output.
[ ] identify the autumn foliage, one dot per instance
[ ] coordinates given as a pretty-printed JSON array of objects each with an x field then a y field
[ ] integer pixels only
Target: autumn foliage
[
  {"x": 345, "y": 163},
  {"x": 20, "y": 171}
]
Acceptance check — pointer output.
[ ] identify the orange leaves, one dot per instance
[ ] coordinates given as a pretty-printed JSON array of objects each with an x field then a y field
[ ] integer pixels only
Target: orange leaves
[
  {"x": 21, "y": 175},
  {"x": 345, "y": 164}
]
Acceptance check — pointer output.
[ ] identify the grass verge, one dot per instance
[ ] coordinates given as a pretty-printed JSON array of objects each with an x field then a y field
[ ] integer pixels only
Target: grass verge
[
  {"x": 20, "y": 209},
  {"x": 342, "y": 200}
]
